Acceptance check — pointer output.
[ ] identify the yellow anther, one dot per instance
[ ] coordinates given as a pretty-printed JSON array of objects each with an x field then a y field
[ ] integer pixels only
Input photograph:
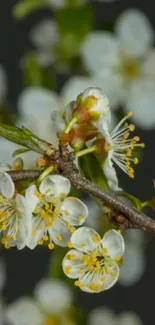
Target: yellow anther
[
  {"x": 81, "y": 218},
  {"x": 70, "y": 245},
  {"x": 77, "y": 283},
  {"x": 45, "y": 238},
  {"x": 68, "y": 269},
  {"x": 132, "y": 127},
  {"x": 130, "y": 114},
  {"x": 67, "y": 213},
  {"x": 59, "y": 237},
  {"x": 72, "y": 229},
  {"x": 115, "y": 275},
  {"x": 34, "y": 233},
  {"x": 71, "y": 257},
  {"x": 39, "y": 195},
  {"x": 72, "y": 198},
  {"x": 81, "y": 271},
  {"x": 93, "y": 286},
  {"x": 40, "y": 242},
  {"x": 136, "y": 161},
  {"x": 103, "y": 279},
  {"x": 83, "y": 244},
  {"x": 107, "y": 270},
  {"x": 118, "y": 258},
  {"x": 137, "y": 139},
  {"x": 105, "y": 250},
  {"x": 62, "y": 195},
  {"x": 51, "y": 246},
  {"x": 96, "y": 239}
]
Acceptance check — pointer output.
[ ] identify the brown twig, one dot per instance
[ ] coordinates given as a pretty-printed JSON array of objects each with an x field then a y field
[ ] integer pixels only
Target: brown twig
[{"x": 130, "y": 217}]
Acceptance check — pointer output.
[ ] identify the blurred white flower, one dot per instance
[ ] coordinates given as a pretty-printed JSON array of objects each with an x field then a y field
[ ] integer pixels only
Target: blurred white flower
[
  {"x": 106, "y": 316},
  {"x": 3, "y": 84},
  {"x": 53, "y": 298},
  {"x": 134, "y": 258},
  {"x": 93, "y": 261},
  {"x": 14, "y": 214},
  {"x": 122, "y": 63},
  {"x": 35, "y": 105},
  {"x": 7, "y": 148},
  {"x": 94, "y": 214},
  {"x": 54, "y": 214},
  {"x": 45, "y": 37}
]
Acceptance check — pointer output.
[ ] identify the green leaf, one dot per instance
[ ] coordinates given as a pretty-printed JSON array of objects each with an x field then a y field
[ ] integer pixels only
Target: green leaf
[
  {"x": 74, "y": 24},
  {"x": 26, "y": 7},
  {"x": 136, "y": 202},
  {"x": 33, "y": 72},
  {"x": 19, "y": 151},
  {"x": 92, "y": 170}
]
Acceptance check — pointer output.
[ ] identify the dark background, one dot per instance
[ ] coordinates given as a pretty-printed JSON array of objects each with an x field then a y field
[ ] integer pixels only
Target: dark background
[{"x": 25, "y": 268}]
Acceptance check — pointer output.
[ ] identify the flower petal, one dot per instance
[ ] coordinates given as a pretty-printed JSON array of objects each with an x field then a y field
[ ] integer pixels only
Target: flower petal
[
  {"x": 114, "y": 242},
  {"x": 7, "y": 187},
  {"x": 25, "y": 223},
  {"x": 112, "y": 277},
  {"x": 72, "y": 264},
  {"x": 141, "y": 100},
  {"x": 110, "y": 173},
  {"x": 32, "y": 197},
  {"x": 45, "y": 34},
  {"x": 4, "y": 167},
  {"x": 24, "y": 311},
  {"x": 100, "y": 50},
  {"x": 59, "y": 233},
  {"x": 54, "y": 296},
  {"x": 134, "y": 265},
  {"x": 55, "y": 184},
  {"x": 135, "y": 32},
  {"x": 128, "y": 318},
  {"x": 85, "y": 239},
  {"x": 6, "y": 150},
  {"x": 74, "y": 211},
  {"x": 148, "y": 67}
]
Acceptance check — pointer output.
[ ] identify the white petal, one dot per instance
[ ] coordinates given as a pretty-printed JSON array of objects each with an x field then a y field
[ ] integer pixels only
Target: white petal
[
  {"x": 31, "y": 197},
  {"x": 45, "y": 34},
  {"x": 32, "y": 240},
  {"x": 114, "y": 242},
  {"x": 37, "y": 102},
  {"x": 100, "y": 50},
  {"x": 57, "y": 122},
  {"x": 24, "y": 311},
  {"x": 55, "y": 184},
  {"x": 60, "y": 229},
  {"x": 73, "y": 87},
  {"x": 3, "y": 82},
  {"x": 57, "y": 4},
  {"x": 54, "y": 296},
  {"x": 135, "y": 32},
  {"x": 141, "y": 100},
  {"x": 2, "y": 274},
  {"x": 134, "y": 265},
  {"x": 4, "y": 167},
  {"x": 72, "y": 264},
  {"x": 128, "y": 318},
  {"x": 148, "y": 67},
  {"x": 25, "y": 223},
  {"x": 110, "y": 173},
  {"x": 101, "y": 316},
  {"x": 45, "y": 57},
  {"x": 76, "y": 209},
  {"x": 94, "y": 213},
  {"x": 111, "y": 278},
  {"x": 7, "y": 187},
  {"x": 85, "y": 239}
]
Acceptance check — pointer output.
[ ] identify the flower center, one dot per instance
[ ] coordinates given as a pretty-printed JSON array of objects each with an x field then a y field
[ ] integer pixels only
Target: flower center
[
  {"x": 9, "y": 220},
  {"x": 130, "y": 69}
]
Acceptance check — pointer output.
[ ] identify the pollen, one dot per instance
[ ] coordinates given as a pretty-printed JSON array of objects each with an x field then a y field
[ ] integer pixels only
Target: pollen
[
  {"x": 71, "y": 257},
  {"x": 77, "y": 283},
  {"x": 118, "y": 258},
  {"x": 70, "y": 245},
  {"x": 38, "y": 195},
  {"x": 83, "y": 244},
  {"x": 51, "y": 246},
  {"x": 96, "y": 239},
  {"x": 68, "y": 269},
  {"x": 62, "y": 195},
  {"x": 107, "y": 271},
  {"x": 59, "y": 237},
  {"x": 130, "y": 114}
]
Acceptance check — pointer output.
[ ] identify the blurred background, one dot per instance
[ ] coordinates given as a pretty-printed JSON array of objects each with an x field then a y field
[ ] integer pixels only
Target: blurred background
[{"x": 50, "y": 51}]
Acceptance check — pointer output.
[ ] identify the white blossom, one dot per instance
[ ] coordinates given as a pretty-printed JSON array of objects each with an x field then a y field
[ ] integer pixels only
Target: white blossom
[
  {"x": 45, "y": 36},
  {"x": 52, "y": 299},
  {"x": 117, "y": 147},
  {"x": 57, "y": 4},
  {"x": 122, "y": 62},
  {"x": 134, "y": 261},
  {"x": 105, "y": 316},
  {"x": 54, "y": 215},
  {"x": 14, "y": 214},
  {"x": 93, "y": 261}
]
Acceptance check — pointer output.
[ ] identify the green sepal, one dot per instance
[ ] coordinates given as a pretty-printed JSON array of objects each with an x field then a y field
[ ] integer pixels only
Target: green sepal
[{"x": 19, "y": 152}]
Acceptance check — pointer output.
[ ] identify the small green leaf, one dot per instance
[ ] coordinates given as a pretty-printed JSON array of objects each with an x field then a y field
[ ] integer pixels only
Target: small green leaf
[
  {"x": 74, "y": 24},
  {"x": 19, "y": 151},
  {"x": 92, "y": 170},
  {"x": 136, "y": 202},
  {"x": 26, "y": 7}
]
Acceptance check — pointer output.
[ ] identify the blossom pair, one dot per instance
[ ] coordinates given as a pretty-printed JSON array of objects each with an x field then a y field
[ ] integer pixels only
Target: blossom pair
[{"x": 44, "y": 213}]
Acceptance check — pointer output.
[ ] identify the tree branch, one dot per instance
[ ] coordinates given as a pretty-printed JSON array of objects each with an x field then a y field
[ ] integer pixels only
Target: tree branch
[{"x": 124, "y": 216}]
